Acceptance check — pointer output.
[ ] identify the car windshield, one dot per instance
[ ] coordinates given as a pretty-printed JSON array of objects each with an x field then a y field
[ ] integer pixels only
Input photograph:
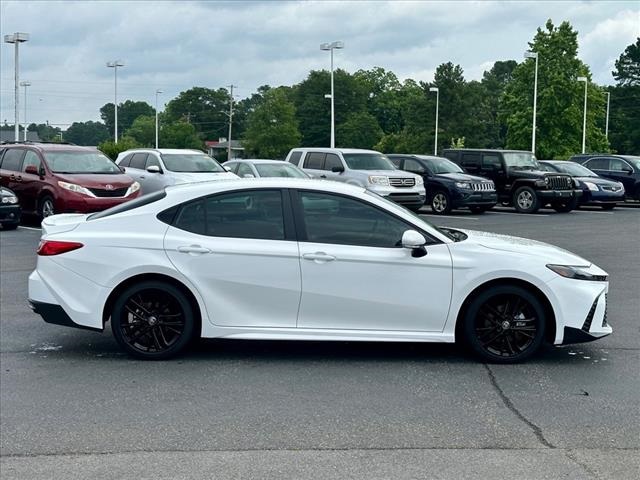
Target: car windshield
[
  {"x": 80, "y": 162},
  {"x": 279, "y": 170},
  {"x": 191, "y": 162},
  {"x": 574, "y": 169},
  {"x": 521, "y": 160},
  {"x": 368, "y": 161},
  {"x": 442, "y": 165}
]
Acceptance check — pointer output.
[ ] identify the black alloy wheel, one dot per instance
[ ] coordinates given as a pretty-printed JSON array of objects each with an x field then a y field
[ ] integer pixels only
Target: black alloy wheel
[
  {"x": 505, "y": 324},
  {"x": 152, "y": 320},
  {"x": 440, "y": 203},
  {"x": 525, "y": 200}
]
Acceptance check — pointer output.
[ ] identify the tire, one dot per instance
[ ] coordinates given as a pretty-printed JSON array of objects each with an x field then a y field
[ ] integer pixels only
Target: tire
[
  {"x": 504, "y": 324},
  {"x": 525, "y": 200},
  {"x": 565, "y": 207},
  {"x": 441, "y": 203},
  {"x": 608, "y": 206},
  {"x": 10, "y": 226},
  {"x": 165, "y": 316},
  {"x": 46, "y": 207}
]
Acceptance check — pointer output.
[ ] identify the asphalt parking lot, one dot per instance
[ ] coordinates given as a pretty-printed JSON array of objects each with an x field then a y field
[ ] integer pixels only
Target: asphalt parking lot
[{"x": 73, "y": 406}]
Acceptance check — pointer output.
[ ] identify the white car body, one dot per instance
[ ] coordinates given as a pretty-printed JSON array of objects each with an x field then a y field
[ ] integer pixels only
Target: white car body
[{"x": 280, "y": 289}]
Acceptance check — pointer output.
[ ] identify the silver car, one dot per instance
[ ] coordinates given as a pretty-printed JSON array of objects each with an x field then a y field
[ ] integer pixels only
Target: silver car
[
  {"x": 366, "y": 168},
  {"x": 155, "y": 169},
  {"x": 256, "y": 168}
]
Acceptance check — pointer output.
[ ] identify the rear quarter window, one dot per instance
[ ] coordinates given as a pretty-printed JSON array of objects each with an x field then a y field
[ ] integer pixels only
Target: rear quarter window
[
  {"x": 295, "y": 157},
  {"x": 12, "y": 159}
]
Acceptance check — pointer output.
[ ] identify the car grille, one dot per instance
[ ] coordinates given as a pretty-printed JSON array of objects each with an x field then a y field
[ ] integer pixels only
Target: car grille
[
  {"x": 611, "y": 188},
  {"x": 402, "y": 182},
  {"x": 560, "y": 183},
  {"x": 483, "y": 186},
  {"x": 103, "y": 192}
]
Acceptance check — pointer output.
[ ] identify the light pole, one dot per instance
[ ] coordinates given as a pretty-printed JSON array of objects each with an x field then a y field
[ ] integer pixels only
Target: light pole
[
  {"x": 529, "y": 54},
  {"x": 17, "y": 38},
  {"x": 25, "y": 84},
  {"x": 606, "y": 123},
  {"x": 331, "y": 47},
  {"x": 584, "y": 117},
  {"x": 435, "y": 143},
  {"x": 115, "y": 64},
  {"x": 158, "y": 92}
]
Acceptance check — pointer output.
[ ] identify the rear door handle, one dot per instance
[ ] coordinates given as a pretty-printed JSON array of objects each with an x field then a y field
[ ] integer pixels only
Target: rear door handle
[
  {"x": 15, "y": 178},
  {"x": 318, "y": 257},
  {"x": 193, "y": 249},
  {"x": 141, "y": 177}
]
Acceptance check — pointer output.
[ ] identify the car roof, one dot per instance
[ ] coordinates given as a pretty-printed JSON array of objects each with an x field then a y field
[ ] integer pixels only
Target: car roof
[
  {"x": 418, "y": 155},
  {"x": 329, "y": 149},
  {"x": 256, "y": 160},
  {"x": 168, "y": 151},
  {"x": 49, "y": 146},
  {"x": 485, "y": 150}
]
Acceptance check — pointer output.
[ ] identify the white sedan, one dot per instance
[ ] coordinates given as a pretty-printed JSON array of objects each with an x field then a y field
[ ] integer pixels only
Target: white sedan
[{"x": 293, "y": 259}]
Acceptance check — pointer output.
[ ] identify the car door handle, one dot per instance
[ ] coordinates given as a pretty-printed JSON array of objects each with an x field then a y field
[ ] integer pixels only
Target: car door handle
[
  {"x": 318, "y": 257},
  {"x": 323, "y": 176},
  {"x": 193, "y": 249},
  {"x": 15, "y": 178},
  {"x": 142, "y": 177}
]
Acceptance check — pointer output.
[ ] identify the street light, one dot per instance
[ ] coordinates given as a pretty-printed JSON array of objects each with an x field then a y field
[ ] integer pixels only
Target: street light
[
  {"x": 435, "y": 143},
  {"x": 584, "y": 117},
  {"x": 606, "y": 123},
  {"x": 17, "y": 38},
  {"x": 115, "y": 64},
  {"x": 331, "y": 47},
  {"x": 157, "y": 93},
  {"x": 529, "y": 54},
  {"x": 25, "y": 84}
]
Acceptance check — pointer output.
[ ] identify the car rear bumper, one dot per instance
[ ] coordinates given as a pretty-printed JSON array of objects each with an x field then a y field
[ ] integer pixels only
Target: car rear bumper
[
  {"x": 10, "y": 214},
  {"x": 55, "y": 314}
]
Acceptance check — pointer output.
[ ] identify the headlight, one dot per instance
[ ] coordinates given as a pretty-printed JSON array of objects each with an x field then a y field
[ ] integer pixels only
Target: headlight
[
  {"x": 419, "y": 180},
  {"x": 465, "y": 185},
  {"x": 72, "y": 187},
  {"x": 378, "y": 180},
  {"x": 135, "y": 186},
  {"x": 591, "y": 186},
  {"x": 9, "y": 199},
  {"x": 577, "y": 273}
]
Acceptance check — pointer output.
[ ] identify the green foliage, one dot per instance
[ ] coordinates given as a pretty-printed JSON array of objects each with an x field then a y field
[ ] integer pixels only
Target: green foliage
[
  {"x": 143, "y": 131},
  {"x": 624, "y": 119},
  {"x": 272, "y": 127},
  {"x": 128, "y": 111},
  {"x": 112, "y": 149},
  {"x": 457, "y": 142},
  {"x": 86, "y": 133},
  {"x": 180, "y": 135},
  {"x": 204, "y": 108},
  {"x": 360, "y": 130},
  {"x": 560, "y": 98},
  {"x": 627, "y": 70}
]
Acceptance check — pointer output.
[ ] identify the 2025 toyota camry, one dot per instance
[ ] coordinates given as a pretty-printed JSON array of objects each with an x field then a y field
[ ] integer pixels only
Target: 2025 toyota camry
[{"x": 294, "y": 259}]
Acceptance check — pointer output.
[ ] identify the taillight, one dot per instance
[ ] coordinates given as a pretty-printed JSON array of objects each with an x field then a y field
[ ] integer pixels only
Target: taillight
[{"x": 56, "y": 247}]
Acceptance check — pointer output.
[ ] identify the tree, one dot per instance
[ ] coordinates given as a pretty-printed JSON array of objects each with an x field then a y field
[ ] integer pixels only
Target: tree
[
  {"x": 384, "y": 98},
  {"x": 143, "y": 131},
  {"x": 128, "y": 111},
  {"x": 360, "y": 130},
  {"x": 560, "y": 98},
  {"x": 204, "y": 108},
  {"x": 272, "y": 128},
  {"x": 627, "y": 70},
  {"x": 111, "y": 149},
  {"x": 86, "y": 133},
  {"x": 180, "y": 135},
  {"x": 495, "y": 82}
]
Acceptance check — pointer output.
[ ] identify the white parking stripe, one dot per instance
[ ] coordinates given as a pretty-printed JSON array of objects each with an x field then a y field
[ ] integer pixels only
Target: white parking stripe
[
  {"x": 524, "y": 215},
  {"x": 592, "y": 211},
  {"x": 449, "y": 216},
  {"x": 30, "y": 228}
]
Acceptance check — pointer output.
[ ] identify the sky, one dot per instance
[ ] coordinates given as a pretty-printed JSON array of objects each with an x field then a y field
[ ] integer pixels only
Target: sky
[{"x": 175, "y": 45}]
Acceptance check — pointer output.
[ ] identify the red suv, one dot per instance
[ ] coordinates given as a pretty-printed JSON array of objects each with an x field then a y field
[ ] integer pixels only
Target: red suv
[{"x": 53, "y": 178}]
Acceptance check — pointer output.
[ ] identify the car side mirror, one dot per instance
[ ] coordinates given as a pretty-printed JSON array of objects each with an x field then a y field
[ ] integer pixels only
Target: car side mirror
[
  {"x": 31, "y": 170},
  {"x": 154, "y": 169},
  {"x": 337, "y": 169},
  {"x": 122, "y": 169},
  {"x": 248, "y": 175},
  {"x": 415, "y": 241}
]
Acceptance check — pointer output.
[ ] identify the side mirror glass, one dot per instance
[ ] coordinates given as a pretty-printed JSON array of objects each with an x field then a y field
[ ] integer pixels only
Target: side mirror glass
[
  {"x": 154, "y": 169},
  {"x": 31, "y": 170},
  {"x": 337, "y": 169},
  {"x": 414, "y": 241}
]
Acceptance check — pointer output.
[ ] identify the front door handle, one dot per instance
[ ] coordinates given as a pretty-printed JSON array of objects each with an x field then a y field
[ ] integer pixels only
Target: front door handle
[
  {"x": 142, "y": 177},
  {"x": 323, "y": 176},
  {"x": 193, "y": 249},
  {"x": 318, "y": 257}
]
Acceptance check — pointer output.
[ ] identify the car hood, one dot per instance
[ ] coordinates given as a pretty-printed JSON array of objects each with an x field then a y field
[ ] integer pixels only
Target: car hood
[
  {"x": 597, "y": 180},
  {"x": 96, "y": 180},
  {"x": 524, "y": 246},
  {"x": 192, "y": 177},
  {"x": 461, "y": 177}
]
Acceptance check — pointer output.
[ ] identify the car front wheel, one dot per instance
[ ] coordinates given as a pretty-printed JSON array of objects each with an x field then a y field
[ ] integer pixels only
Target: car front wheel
[
  {"x": 440, "y": 203},
  {"x": 46, "y": 207},
  {"x": 525, "y": 200},
  {"x": 152, "y": 320},
  {"x": 504, "y": 324}
]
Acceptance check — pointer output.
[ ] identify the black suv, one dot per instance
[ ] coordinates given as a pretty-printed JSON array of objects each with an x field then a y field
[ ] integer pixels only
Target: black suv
[
  {"x": 447, "y": 185},
  {"x": 519, "y": 180},
  {"x": 621, "y": 168}
]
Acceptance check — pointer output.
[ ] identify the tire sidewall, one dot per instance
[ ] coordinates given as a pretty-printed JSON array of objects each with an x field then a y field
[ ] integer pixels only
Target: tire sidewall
[
  {"x": 447, "y": 198},
  {"x": 468, "y": 327},
  {"x": 41, "y": 206},
  {"x": 176, "y": 348},
  {"x": 535, "y": 205}
]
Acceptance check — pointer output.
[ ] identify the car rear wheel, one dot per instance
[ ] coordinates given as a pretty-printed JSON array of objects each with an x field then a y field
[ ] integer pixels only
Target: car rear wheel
[
  {"x": 505, "y": 324},
  {"x": 46, "y": 207},
  {"x": 9, "y": 226},
  {"x": 525, "y": 200},
  {"x": 564, "y": 207},
  {"x": 440, "y": 203},
  {"x": 608, "y": 206},
  {"x": 152, "y": 320}
]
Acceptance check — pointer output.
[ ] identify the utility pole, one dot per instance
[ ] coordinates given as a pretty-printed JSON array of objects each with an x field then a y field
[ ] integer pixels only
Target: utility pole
[
  {"x": 17, "y": 38},
  {"x": 26, "y": 84},
  {"x": 230, "y": 121}
]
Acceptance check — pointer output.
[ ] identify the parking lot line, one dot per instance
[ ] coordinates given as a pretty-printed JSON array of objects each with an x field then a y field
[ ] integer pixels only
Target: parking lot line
[
  {"x": 516, "y": 213},
  {"x": 592, "y": 211},
  {"x": 30, "y": 228},
  {"x": 449, "y": 216}
]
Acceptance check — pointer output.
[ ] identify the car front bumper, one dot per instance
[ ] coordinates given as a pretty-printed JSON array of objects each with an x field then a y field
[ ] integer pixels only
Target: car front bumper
[
  {"x": 10, "y": 214},
  {"x": 77, "y": 203},
  {"x": 550, "y": 195},
  {"x": 601, "y": 197},
  {"x": 473, "y": 198}
]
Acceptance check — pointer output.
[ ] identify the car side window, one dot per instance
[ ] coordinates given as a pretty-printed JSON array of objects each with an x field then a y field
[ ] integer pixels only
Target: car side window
[
  {"x": 470, "y": 160},
  {"x": 244, "y": 169},
  {"x": 617, "y": 165},
  {"x": 453, "y": 156},
  {"x": 295, "y": 157},
  {"x": 314, "y": 160},
  {"x": 342, "y": 220},
  {"x": 138, "y": 161},
  {"x": 232, "y": 166},
  {"x": 191, "y": 217},
  {"x": 31, "y": 158},
  {"x": 12, "y": 159},
  {"x": 396, "y": 161},
  {"x": 598, "y": 164},
  {"x": 152, "y": 161},
  {"x": 491, "y": 161},
  {"x": 126, "y": 160},
  {"x": 411, "y": 165},
  {"x": 332, "y": 160}
]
